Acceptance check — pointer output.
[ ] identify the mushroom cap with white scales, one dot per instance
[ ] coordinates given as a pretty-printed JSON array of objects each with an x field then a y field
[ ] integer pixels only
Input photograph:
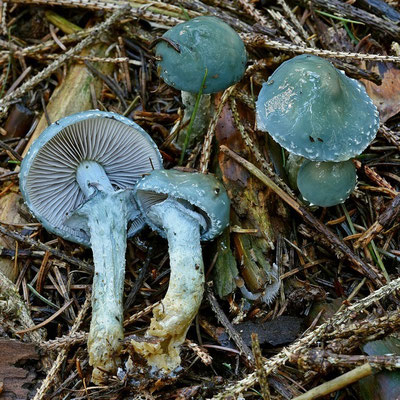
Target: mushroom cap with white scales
[{"x": 315, "y": 111}]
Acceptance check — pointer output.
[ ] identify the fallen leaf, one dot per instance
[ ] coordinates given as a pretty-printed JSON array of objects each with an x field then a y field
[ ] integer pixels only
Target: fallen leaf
[
  {"x": 281, "y": 330},
  {"x": 384, "y": 385},
  {"x": 386, "y": 97},
  {"x": 16, "y": 379}
]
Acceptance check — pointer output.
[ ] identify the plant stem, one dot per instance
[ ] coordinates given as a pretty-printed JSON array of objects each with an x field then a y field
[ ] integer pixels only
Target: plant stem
[{"x": 189, "y": 129}]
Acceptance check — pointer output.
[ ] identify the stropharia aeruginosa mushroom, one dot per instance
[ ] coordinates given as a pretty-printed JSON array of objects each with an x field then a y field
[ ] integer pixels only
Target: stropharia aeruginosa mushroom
[
  {"x": 314, "y": 110},
  {"x": 326, "y": 184},
  {"x": 77, "y": 179},
  {"x": 185, "y": 208},
  {"x": 190, "y": 48}
]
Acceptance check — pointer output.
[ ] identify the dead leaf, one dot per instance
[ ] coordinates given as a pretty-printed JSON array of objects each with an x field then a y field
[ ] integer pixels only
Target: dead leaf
[
  {"x": 15, "y": 379},
  {"x": 386, "y": 97},
  {"x": 281, "y": 330},
  {"x": 254, "y": 205}
]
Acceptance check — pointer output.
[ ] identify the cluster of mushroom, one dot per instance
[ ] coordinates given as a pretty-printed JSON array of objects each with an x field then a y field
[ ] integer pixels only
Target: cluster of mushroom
[
  {"x": 315, "y": 111},
  {"x": 96, "y": 178},
  {"x": 77, "y": 180},
  {"x": 80, "y": 179}
]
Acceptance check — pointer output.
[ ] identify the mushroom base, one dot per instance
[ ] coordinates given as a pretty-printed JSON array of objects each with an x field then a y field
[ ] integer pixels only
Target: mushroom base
[
  {"x": 172, "y": 318},
  {"x": 106, "y": 218}
]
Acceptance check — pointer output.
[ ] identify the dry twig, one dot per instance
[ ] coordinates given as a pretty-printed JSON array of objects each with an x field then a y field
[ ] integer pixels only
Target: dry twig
[
  {"x": 338, "y": 321},
  {"x": 31, "y": 83},
  {"x": 46, "y": 384}
]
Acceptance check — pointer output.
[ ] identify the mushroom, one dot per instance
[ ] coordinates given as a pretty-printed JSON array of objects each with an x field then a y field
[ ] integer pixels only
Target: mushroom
[
  {"x": 185, "y": 208},
  {"x": 314, "y": 110},
  {"x": 77, "y": 180},
  {"x": 326, "y": 184},
  {"x": 191, "y": 49}
]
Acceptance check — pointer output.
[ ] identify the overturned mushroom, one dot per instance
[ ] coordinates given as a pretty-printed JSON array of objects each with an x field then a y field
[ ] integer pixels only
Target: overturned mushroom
[
  {"x": 314, "y": 110},
  {"x": 185, "y": 208},
  {"x": 77, "y": 179}
]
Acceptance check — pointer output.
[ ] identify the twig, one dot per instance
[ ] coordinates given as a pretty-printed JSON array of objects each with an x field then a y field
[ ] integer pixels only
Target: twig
[
  {"x": 206, "y": 150},
  {"x": 338, "y": 383},
  {"x": 261, "y": 374},
  {"x": 355, "y": 261},
  {"x": 19, "y": 80},
  {"x": 140, "y": 314},
  {"x": 385, "y": 26},
  {"x": 231, "y": 331},
  {"x": 384, "y": 219},
  {"x": 46, "y": 384},
  {"x": 136, "y": 9},
  {"x": 112, "y": 60},
  {"x": 200, "y": 351},
  {"x": 254, "y": 150},
  {"x": 285, "y": 26},
  {"x": 233, "y": 21},
  {"x": 130, "y": 299},
  {"x": 31, "y": 83},
  {"x": 59, "y": 254},
  {"x": 390, "y": 136},
  {"x": 254, "y": 13},
  {"x": 8, "y": 148},
  {"x": 45, "y": 322},
  {"x": 13, "y": 309},
  {"x": 289, "y": 13},
  {"x": 108, "y": 81},
  {"x": 35, "y": 50},
  {"x": 349, "y": 338},
  {"x": 323, "y": 360},
  {"x": 65, "y": 341},
  {"x": 376, "y": 178},
  {"x": 258, "y": 40},
  {"x": 3, "y": 15},
  {"x": 302, "y": 344}
]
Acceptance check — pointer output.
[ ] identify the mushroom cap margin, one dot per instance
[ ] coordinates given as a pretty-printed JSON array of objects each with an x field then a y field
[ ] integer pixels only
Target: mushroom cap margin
[{"x": 204, "y": 192}]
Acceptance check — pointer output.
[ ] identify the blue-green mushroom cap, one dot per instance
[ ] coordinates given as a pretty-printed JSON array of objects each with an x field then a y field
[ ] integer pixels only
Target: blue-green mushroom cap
[
  {"x": 199, "y": 44},
  {"x": 326, "y": 184},
  {"x": 314, "y": 110},
  {"x": 48, "y": 172},
  {"x": 199, "y": 192}
]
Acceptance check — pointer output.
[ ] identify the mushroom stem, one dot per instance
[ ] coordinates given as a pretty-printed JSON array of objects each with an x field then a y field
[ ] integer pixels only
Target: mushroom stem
[
  {"x": 172, "y": 318},
  {"x": 201, "y": 121},
  {"x": 106, "y": 215},
  {"x": 91, "y": 175}
]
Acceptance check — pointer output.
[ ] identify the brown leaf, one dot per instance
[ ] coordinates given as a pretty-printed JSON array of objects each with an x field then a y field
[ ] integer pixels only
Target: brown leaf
[
  {"x": 281, "y": 330},
  {"x": 386, "y": 97},
  {"x": 254, "y": 205},
  {"x": 16, "y": 379}
]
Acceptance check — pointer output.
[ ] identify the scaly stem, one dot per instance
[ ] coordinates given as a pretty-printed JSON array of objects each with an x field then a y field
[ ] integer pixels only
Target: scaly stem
[
  {"x": 107, "y": 221},
  {"x": 172, "y": 318},
  {"x": 106, "y": 215}
]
